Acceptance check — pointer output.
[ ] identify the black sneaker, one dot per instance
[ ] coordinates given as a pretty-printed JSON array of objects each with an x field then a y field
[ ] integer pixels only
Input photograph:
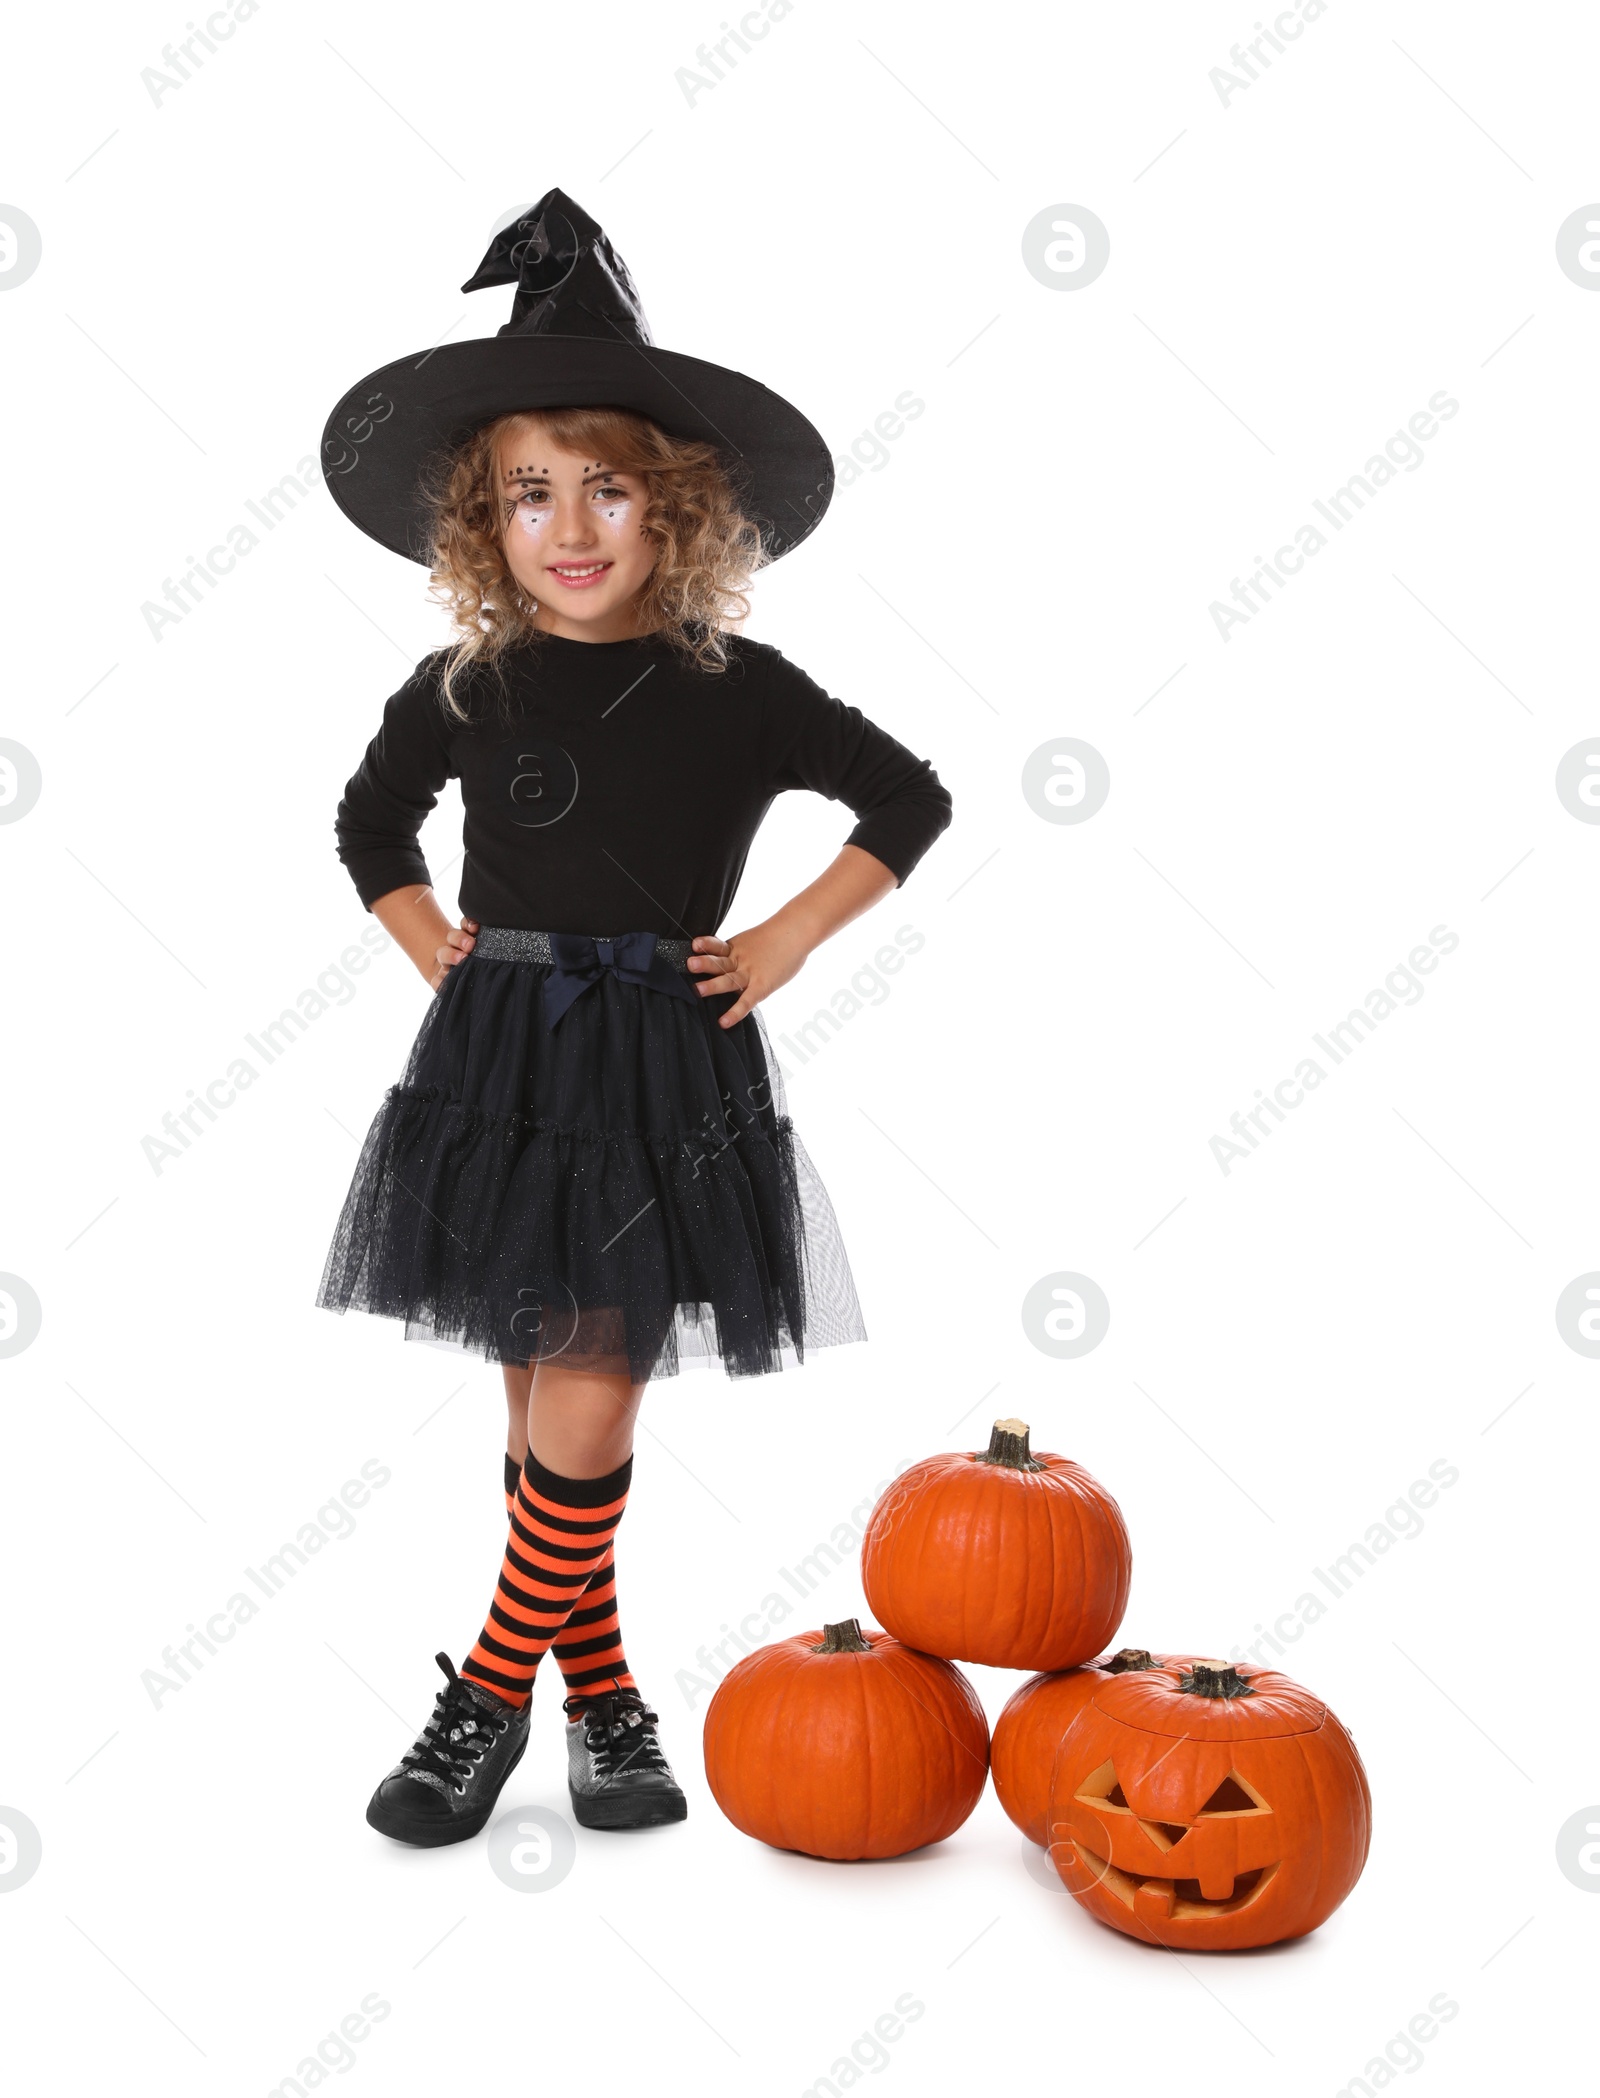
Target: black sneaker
[
  {"x": 444, "y": 1790},
  {"x": 616, "y": 1772}
]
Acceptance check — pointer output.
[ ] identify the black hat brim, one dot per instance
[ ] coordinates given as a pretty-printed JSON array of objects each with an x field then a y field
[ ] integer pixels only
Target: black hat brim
[{"x": 396, "y": 423}]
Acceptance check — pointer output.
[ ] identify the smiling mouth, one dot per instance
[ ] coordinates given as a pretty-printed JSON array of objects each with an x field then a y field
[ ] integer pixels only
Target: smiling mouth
[
  {"x": 1175, "y": 1898},
  {"x": 578, "y": 576}
]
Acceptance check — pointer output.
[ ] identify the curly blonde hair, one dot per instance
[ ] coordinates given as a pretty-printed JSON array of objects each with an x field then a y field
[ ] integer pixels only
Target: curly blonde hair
[{"x": 707, "y": 549}]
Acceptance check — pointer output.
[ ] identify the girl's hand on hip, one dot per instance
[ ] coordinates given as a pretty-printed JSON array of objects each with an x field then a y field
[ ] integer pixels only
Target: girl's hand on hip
[
  {"x": 457, "y": 946},
  {"x": 754, "y": 964}
]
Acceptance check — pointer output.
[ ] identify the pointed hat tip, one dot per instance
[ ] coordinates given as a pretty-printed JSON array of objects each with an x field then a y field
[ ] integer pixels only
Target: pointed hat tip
[
  {"x": 569, "y": 279},
  {"x": 553, "y": 224}
]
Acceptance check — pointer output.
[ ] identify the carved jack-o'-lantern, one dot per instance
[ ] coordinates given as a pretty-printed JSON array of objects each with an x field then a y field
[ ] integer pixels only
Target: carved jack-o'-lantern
[
  {"x": 1028, "y": 1732},
  {"x": 1209, "y": 1809}
]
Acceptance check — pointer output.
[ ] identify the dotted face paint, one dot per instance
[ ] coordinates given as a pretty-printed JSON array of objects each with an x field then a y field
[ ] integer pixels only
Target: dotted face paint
[
  {"x": 531, "y": 516},
  {"x": 609, "y": 502}
]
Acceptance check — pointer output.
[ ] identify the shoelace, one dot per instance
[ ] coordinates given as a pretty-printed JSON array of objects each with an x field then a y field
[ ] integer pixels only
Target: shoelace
[
  {"x": 619, "y": 1731},
  {"x": 457, "y": 1736}
]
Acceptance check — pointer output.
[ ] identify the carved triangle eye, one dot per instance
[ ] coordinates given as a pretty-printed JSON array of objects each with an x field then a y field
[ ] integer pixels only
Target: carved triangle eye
[
  {"x": 1232, "y": 1797},
  {"x": 1103, "y": 1788}
]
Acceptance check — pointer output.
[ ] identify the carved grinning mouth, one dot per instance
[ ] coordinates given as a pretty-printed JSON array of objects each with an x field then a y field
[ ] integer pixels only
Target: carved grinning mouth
[
  {"x": 1149, "y": 1895},
  {"x": 1173, "y": 1898}
]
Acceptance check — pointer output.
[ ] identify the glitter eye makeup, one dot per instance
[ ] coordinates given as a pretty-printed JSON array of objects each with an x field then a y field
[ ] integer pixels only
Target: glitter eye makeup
[
  {"x": 615, "y": 504},
  {"x": 609, "y": 500},
  {"x": 531, "y": 516}
]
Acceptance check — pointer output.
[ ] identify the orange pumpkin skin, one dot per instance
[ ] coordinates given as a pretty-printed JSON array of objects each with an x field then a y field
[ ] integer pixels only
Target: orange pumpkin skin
[
  {"x": 1136, "y": 1834},
  {"x": 1028, "y": 1732},
  {"x": 1015, "y": 1560},
  {"x": 862, "y": 1750}
]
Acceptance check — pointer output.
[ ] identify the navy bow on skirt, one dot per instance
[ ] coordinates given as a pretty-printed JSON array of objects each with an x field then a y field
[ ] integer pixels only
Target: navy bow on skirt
[{"x": 580, "y": 959}]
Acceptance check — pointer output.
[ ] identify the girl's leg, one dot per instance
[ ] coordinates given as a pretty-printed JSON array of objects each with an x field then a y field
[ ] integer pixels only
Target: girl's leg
[
  {"x": 569, "y": 1501},
  {"x": 580, "y": 1444},
  {"x": 518, "y": 1382},
  {"x": 580, "y": 1422},
  {"x": 588, "y": 1649}
]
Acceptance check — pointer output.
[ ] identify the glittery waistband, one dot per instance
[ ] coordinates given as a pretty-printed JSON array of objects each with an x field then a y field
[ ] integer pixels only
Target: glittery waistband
[{"x": 506, "y": 943}]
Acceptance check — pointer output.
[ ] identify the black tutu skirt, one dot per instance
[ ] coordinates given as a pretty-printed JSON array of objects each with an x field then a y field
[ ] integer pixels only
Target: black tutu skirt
[{"x": 623, "y": 1192}]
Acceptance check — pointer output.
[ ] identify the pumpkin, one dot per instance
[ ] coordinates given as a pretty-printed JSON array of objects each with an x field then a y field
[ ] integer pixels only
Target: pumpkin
[
  {"x": 1028, "y": 1732},
  {"x": 1207, "y": 1808},
  {"x": 998, "y": 1556},
  {"x": 846, "y": 1745}
]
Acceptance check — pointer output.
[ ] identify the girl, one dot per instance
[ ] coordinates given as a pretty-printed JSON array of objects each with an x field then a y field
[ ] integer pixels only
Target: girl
[{"x": 586, "y": 1171}]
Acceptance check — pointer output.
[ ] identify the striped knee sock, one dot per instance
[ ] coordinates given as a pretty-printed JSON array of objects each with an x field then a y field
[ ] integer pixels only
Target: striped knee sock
[
  {"x": 561, "y": 1531},
  {"x": 589, "y": 1648}
]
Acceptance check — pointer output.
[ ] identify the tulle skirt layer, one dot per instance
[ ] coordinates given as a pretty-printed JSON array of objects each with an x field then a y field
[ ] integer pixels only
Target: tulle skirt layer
[{"x": 624, "y": 1192}]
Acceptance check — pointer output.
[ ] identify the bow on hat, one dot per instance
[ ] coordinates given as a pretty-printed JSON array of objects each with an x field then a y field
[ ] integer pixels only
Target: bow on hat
[{"x": 579, "y": 960}]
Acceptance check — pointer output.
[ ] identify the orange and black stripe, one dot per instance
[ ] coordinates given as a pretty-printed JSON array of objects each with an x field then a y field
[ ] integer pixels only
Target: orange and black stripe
[
  {"x": 588, "y": 1650},
  {"x": 561, "y": 1533}
]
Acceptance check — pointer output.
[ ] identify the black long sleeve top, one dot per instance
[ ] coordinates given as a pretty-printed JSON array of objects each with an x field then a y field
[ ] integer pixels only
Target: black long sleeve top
[{"x": 610, "y": 787}]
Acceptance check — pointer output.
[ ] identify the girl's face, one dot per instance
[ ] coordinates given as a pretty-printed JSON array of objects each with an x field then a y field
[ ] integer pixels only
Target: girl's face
[{"x": 572, "y": 537}]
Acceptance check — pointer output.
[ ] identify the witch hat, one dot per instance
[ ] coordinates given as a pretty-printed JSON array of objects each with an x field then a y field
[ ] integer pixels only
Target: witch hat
[{"x": 577, "y": 338}]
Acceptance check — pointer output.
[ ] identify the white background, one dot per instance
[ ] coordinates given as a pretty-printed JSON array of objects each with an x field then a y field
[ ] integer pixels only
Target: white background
[{"x": 1293, "y": 274}]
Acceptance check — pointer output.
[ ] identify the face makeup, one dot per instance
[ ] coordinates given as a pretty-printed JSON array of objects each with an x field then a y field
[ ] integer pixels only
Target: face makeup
[{"x": 573, "y": 539}]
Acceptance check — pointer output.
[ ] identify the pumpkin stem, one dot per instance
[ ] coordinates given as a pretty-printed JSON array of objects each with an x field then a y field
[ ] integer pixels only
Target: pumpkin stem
[
  {"x": 1219, "y": 1679},
  {"x": 1008, "y": 1446},
  {"x": 1128, "y": 1659},
  {"x": 843, "y": 1639}
]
